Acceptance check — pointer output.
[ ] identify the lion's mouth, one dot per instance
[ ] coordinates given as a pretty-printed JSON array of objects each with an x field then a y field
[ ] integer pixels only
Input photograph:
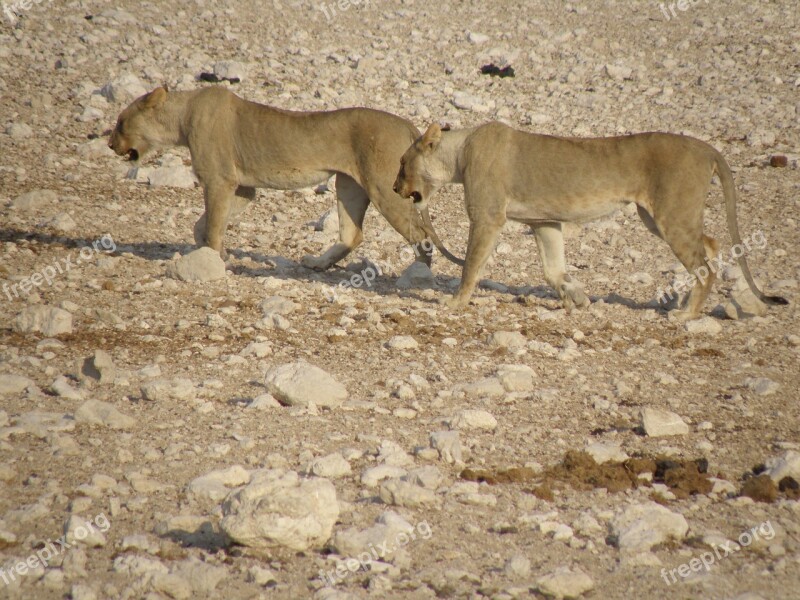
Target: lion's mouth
[
  {"x": 133, "y": 154},
  {"x": 416, "y": 197}
]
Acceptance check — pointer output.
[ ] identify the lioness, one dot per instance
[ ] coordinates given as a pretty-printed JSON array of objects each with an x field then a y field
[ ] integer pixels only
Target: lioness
[
  {"x": 237, "y": 146},
  {"x": 545, "y": 181}
]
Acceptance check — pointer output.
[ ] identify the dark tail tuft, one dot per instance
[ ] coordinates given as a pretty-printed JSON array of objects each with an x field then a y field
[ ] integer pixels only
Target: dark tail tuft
[{"x": 777, "y": 300}]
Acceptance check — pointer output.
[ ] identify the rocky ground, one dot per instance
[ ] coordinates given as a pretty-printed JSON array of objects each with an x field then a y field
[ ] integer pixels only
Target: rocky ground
[{"x": 239, "y": 437}]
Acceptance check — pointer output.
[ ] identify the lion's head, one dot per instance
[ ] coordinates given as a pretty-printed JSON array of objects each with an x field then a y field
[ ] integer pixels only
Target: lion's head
[{"x": 138, "y": 129}]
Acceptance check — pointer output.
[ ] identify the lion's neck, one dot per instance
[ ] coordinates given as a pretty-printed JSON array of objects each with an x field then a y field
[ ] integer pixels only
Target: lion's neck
[
  {"x": 171, "y": 117},
  {"x": 451, "y": 152}
]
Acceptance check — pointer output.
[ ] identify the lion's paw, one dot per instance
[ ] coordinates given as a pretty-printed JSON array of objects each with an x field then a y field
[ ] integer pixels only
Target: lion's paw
[
  {"x": 310, "y": 261},
  {"x": 453, "y": 302},
  {"x": 573, "y": 296},
  {"x": 682, "y": 316}
]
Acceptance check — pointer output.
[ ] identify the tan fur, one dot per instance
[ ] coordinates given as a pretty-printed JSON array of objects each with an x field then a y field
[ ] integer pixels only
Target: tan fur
[
  {"x": 237, "y": 146},
  {"x": 545, "y": 181}
]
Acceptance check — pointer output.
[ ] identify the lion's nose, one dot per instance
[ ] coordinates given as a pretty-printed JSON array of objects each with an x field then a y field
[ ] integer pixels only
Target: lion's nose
[{"x": 395, "y": 188}]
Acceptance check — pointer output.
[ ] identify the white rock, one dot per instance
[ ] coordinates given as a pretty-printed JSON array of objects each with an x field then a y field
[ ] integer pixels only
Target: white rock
[
  {"x": 511, "y": 340},
  {"x": 391, "y": 453},
  {"x": 703, "y": 325},
  {"x": 61, "y": 387},
  {"x": 658, "y": 423},
  {"x": 257, "y": 349},
  {"x": 81, "y": 591},
  {"x": 518, "y": 567},
  {"x": 19, "y": 131},
  {"x": 587, "y": 525},
  {"x": 264, "y": 402},
  {"x": 123, "y": 89},
  {"x": 328, "y": 222},
  {"x": 277, "y": 305},
  {"x": 62, "y": 222},
  {"x": 603, "y": 452},
  {"x": 203, "y": 264},
  {"x": 11, "y": 384},
  {"x": 279, "y": 509},
  {"x": 100, "y": 367},
  {"x": 80, "y": 531},
  {"x": 402, "y": 342},
  {"x": 640, "y": 527},
  {"x": 34, "y": 199},
  {"x": 417, "y": 275},
  {"x": 762, "y": 386},
  {"x": 331, "y": 466},
  {"x": 477, "y": 38},
  {"x": 618, "y": 73},
  {"x": 516, "y": 378},
  {"x": 95, "y": 412},
  {"x": 407, "y": 494},
  {"x": 448, "y": 445},
  {"x": 372, "y": 476},
  {"x": 96, "y": 148},
  {"x": 49, "y": 320},
  {"x": 565, "y": 582},
  {"x": 229, "y": 69},
  {"x": 40, "y": 424},
  {"x": 172, "y": 585},
  {"x": 176, "y": 177},
  {"x": 428, "y": 477},
  {"x": 301, "y": 383},
  {"x": 91, "y": 113},
  {"x": 214, "y": 486},
  {"x": 467, "y": 101},
  {"x": 261, "y": 576},
  {"x": 162, "y": 390},
  {"x": 353, "y": 542},
  {"x": 744, "y": 304},
  {"x": 135, "y": 565},
  {"x": 787, "y": 465},
  {"x": 140, "y": 542},
  {"x": 473, "y": 419}
]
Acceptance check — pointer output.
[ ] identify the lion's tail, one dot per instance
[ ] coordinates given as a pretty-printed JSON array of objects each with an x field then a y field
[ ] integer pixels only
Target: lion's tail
[{"x": 731, "y": 198}]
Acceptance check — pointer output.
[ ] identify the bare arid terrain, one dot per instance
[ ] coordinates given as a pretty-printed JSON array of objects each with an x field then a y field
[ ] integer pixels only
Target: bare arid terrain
[{"x": 274, "y": 433}]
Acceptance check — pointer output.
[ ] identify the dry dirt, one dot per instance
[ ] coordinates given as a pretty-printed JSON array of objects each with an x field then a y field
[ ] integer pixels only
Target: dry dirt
[{"x": 726, "y": 72}]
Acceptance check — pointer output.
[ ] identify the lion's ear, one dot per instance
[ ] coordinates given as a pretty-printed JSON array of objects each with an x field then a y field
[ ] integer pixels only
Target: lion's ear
[
  {"x": 156, "y": 98},
  {"x": 432, "y": 137}
]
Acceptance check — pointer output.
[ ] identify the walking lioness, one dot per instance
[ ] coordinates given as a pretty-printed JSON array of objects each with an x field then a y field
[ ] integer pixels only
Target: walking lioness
[
  {"x": 238, "y": 146},
  {"x": 545, "y": 181}
]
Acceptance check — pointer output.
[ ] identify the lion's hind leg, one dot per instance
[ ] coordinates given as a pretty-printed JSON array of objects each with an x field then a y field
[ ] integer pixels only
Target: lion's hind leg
[
  {"x": 695, "y": 251},
  {"x": 352, "y": 204}
]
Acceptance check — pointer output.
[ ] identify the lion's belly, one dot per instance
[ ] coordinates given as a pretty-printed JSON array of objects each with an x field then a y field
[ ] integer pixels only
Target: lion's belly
[
  {"x": 567, "y": 208},
  {"x": 291, "y": 179}
]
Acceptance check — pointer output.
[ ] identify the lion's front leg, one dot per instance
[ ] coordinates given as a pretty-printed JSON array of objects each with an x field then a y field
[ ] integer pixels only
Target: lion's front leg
[
  {"x": 225, "y": 206},
  {"x": 218, "y": 199},
  {"x": 482, "y": 239},
  {"x": 550, "y": 241}
]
